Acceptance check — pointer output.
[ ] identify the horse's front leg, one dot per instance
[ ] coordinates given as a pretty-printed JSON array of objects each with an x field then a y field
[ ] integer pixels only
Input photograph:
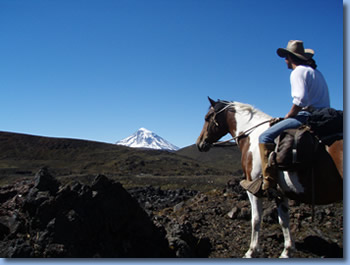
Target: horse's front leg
[
  {"x": 256, "y": 208},
  {"x": 283, "y": 218}
]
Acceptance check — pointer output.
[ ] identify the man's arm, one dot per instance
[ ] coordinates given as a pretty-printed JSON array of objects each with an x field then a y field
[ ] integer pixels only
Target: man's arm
[{"x": 293, "y": 111}]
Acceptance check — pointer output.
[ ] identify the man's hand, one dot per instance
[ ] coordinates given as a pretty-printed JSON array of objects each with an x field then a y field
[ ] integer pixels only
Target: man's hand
[
  {"x": 275, "y": 120},
  {"x": 293, "y": 111}
]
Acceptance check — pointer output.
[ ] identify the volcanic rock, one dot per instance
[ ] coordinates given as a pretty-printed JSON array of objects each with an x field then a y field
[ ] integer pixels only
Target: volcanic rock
[{"x": 42, "y": 218}]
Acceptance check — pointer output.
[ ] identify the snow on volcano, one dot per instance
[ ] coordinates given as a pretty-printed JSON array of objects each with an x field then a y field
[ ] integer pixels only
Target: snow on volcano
[{"x": 144, "y": 138}]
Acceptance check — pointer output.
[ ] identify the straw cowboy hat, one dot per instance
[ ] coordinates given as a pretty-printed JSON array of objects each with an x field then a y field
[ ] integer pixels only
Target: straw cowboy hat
[{"x": 296, "y": 47}]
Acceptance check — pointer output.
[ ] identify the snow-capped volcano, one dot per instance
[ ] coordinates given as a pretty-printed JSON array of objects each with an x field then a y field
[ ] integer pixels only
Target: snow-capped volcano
[{"x": 144, "y": 138}]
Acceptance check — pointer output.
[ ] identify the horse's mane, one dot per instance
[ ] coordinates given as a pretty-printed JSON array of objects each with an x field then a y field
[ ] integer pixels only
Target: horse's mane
[{"x": 243, "y": 107}]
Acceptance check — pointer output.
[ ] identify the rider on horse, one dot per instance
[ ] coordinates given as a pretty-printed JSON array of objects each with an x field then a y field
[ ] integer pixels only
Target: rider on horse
[{"x": 309, "y": 91}]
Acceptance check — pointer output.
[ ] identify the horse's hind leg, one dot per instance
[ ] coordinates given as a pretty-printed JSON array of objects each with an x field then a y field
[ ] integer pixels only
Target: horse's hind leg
[
  {"x": 283, "y": 218},
  {"x": 256, "y": 208}
]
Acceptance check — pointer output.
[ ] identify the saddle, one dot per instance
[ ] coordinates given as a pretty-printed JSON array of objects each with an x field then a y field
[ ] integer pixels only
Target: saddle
[{"x": 298, "y": 148}]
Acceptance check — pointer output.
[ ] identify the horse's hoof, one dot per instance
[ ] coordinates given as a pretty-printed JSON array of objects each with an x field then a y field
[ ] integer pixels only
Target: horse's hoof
[
  {"x": 251, "y": 254},
  {"x": 286, "y": 254}
]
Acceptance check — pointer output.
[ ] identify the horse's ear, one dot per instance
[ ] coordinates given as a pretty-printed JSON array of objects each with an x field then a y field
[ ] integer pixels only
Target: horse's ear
[{"x": 212, "y": 102}]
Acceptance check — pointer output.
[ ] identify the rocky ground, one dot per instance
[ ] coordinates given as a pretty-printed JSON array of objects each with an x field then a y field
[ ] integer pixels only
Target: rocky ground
[
  {"x": 41, "y": 218},
  {"x": 220, "y": 219}
]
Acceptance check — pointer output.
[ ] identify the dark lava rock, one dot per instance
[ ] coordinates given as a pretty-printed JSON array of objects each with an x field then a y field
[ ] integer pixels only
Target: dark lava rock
[
  {"x": 179, "y": 233},
  {"x": 222, "y": 217},
  {"x": 45, "y": 182},
  {"x": 44, "y": 219},
  {"x": 182, "y": 240},
  {"x": 154, "y": 198},
  {"x": 105, "y": 220}
]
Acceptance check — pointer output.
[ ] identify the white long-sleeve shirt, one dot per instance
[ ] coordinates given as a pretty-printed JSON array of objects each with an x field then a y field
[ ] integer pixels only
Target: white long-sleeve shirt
[{"x": 309, "y": 88}]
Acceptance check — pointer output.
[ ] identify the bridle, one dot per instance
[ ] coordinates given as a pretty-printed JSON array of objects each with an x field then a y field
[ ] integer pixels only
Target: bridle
[
  {"x": 216, "y": 113},
  {"x": 239, "y": 136}
]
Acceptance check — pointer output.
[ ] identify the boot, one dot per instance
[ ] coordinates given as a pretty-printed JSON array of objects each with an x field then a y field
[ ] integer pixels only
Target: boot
[{"x": 269, "y": 172}]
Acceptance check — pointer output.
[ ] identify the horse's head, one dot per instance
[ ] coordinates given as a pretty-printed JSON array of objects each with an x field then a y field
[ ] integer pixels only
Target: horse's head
[{"x": 215, "y": 125}]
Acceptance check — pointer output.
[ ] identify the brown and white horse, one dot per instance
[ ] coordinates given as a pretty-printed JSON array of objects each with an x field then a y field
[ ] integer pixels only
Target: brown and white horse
[{"x": 245, "y": 124}]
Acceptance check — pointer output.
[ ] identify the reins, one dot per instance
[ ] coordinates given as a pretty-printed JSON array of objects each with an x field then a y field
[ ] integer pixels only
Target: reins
[{"x": 242, "y": 134}]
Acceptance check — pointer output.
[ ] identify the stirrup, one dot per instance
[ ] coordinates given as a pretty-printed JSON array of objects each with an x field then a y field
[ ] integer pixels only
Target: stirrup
[
  {"x": 270, "y": 183},
  {"x": 253, "y": 187},
  {"x": 271, "y": 160}
]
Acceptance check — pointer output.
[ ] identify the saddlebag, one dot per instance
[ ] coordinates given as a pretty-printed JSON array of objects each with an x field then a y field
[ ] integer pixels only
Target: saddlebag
[
  {"x": 327, "y": 124},
  {"x": 295, "y": 149}
]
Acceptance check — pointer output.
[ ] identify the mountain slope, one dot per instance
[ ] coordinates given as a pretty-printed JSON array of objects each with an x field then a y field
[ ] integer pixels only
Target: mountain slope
[
  {"x": 226, "y": 157},
  {"x": 144, "y": 138},
  {"x": 24, "y": 155}
]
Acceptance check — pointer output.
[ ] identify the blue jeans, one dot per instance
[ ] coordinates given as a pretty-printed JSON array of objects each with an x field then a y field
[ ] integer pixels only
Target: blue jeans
[{"x": 291, "y": 123}]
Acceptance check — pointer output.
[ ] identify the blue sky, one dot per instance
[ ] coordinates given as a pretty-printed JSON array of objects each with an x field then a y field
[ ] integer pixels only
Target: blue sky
[{"x": 100, "y": 70}]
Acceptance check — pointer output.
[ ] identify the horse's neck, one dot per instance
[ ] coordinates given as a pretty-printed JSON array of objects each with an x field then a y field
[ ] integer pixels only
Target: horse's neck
[{"x": 246, "y": 121}]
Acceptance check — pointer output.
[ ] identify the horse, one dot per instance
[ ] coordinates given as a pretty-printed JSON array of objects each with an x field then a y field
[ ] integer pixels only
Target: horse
[{"x": 322, "y": 185}]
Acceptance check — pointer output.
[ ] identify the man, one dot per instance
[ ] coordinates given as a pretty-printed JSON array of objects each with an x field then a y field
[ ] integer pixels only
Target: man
[{"x": 309, "y": 91}]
